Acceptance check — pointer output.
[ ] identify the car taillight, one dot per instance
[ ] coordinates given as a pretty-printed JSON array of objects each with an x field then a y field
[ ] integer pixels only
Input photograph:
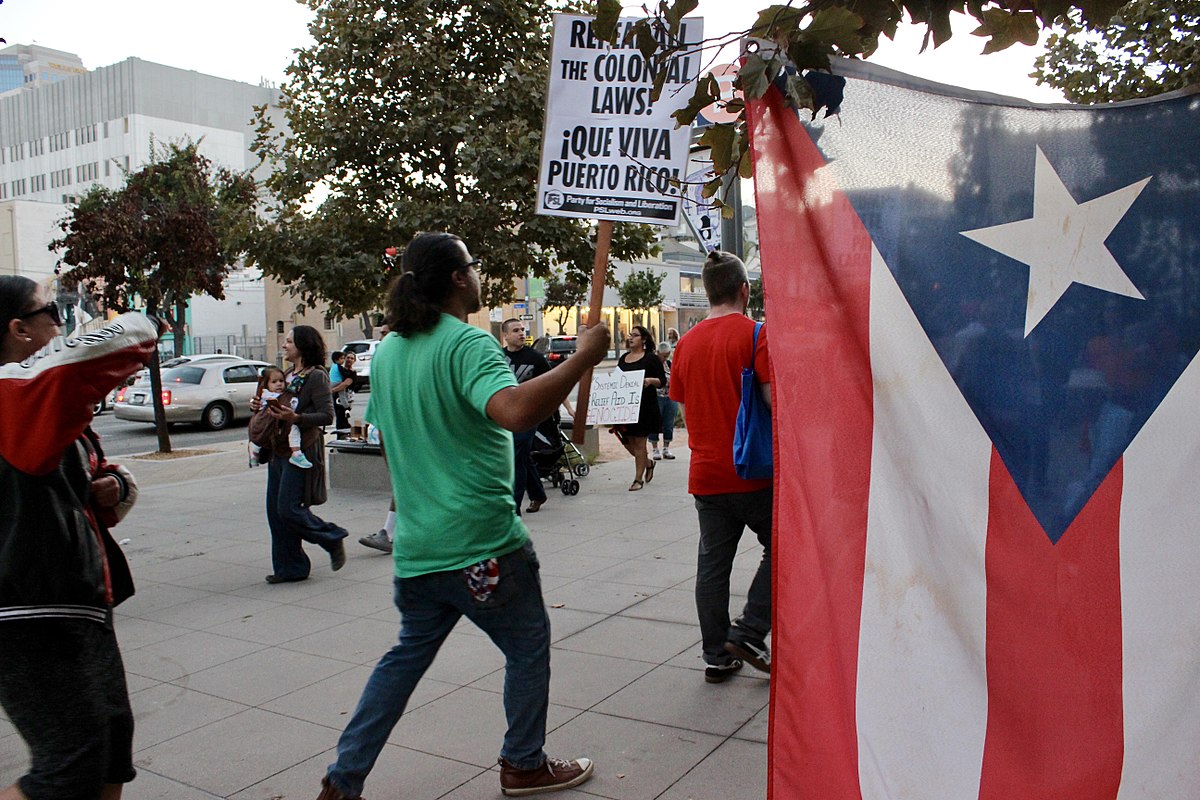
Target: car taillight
[
  {"x": 121, "y": 396},
  {"x": 166, "y": 396},
  {"x": 554, "y": 357}
]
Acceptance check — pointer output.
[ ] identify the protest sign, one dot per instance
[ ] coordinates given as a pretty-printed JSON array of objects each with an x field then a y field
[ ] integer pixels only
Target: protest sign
[
  {"x": 703, "y": 216},
  {"x": 616, "y": 398},
  {"x": 609, "y": 151}
]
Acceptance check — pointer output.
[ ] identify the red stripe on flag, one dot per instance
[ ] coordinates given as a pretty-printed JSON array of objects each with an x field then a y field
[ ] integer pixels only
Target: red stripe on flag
[
  {"x": 1053, "y": 649},
  {"x": 817, "y": 269}
]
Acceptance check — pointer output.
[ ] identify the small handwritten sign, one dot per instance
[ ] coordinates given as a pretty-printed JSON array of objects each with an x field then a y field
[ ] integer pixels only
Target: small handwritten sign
[{"x": 616, "y": 398}]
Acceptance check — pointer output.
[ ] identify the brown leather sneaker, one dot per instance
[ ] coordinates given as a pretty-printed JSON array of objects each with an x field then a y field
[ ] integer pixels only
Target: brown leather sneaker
[
  {"x": 552, "y": 775},
  {"x": 331, "y": 792}
]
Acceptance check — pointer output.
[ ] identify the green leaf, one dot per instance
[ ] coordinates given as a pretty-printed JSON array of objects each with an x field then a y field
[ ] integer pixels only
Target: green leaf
[
  {"x": 676, "y": 12},
  {"x": 720, "y": 139},
  {"x": 608, "y": 12},
  {"x": 775, "y": 20},
  {"x": 837, "y": 26},
  {"x": 646, "y": 43},
  {"x": 1003, "y": 29},
  {"x": 752, "y": 77}
]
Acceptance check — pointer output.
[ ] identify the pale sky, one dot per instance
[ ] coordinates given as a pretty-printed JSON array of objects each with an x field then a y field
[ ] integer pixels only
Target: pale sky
[{"x": 247, "y": 40}]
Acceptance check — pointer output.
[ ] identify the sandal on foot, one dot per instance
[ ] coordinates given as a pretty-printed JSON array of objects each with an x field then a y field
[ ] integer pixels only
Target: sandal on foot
[
  {"x": 650, "y": 472},
  {"x": 636, "y": 486}
]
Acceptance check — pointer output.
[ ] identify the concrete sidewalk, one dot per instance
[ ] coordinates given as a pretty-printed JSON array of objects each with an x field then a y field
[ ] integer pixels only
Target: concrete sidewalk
[{"x": 241, "y": 689}]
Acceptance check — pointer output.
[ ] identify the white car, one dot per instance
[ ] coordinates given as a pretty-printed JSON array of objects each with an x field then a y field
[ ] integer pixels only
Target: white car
[
  {"x": 212, "y": 392},
  {"x": 364, "y": 350}
]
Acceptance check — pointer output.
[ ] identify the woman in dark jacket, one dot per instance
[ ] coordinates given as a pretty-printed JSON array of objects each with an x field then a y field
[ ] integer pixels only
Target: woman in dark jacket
[
  {"x": 291, "y": 491},
  {"x": 62, "y": 682}
]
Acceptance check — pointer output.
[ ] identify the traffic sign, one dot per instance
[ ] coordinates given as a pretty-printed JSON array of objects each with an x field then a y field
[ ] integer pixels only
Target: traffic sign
[{"x": 526, "y": 316}]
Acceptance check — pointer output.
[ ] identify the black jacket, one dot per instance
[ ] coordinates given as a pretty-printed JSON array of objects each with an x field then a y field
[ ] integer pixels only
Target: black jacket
[{"x": 57, "y": 558}]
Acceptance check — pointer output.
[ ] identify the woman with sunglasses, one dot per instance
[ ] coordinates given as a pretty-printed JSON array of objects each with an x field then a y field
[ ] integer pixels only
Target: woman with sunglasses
[{"x": 62, "y": 682}]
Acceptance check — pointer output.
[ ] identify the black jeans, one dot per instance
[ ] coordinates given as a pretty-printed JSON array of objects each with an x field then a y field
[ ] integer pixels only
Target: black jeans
[
  {"x": 62, "y": 684},
  {"x": 723, "y": 519}
]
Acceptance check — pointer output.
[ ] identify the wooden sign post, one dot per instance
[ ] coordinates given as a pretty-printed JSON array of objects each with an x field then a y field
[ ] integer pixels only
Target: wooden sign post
[{"x": 599, "y": 274}]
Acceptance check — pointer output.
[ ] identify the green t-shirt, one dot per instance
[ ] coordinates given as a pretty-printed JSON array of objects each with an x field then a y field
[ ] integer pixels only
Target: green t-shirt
[{"x": 451, "y": 465}]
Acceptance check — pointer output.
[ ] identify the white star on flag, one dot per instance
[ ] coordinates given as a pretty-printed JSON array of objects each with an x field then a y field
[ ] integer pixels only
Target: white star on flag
[{"x": 1063, "y": 242}]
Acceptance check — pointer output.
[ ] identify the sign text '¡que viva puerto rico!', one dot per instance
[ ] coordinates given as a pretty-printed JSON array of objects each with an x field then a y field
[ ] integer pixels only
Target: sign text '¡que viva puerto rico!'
[{"x": 590, "y": 143}]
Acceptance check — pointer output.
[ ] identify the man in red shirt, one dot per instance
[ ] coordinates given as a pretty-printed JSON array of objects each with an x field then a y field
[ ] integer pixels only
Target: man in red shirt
[{"x": 706, "y": 380}]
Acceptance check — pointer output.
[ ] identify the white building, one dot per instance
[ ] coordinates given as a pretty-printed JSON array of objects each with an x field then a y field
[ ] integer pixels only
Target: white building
[{"x": 59, "y": 137}]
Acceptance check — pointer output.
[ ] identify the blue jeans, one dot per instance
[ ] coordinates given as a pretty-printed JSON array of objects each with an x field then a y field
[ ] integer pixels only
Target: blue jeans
[
  {"x": 515, "y": 618},
  {"x": 292, "y": 522},
  {"x": 723, "y": 519},
  {"x": 668, "y": 408}
]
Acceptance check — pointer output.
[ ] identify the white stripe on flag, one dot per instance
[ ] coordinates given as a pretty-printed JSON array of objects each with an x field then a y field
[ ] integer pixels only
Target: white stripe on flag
[
  {"x": 1160, "y": 618},
  {"x": 922, "y": 694}
]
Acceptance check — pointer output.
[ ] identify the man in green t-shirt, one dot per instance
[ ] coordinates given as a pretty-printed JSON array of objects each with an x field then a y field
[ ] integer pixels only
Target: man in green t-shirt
[{"x": 445, "y": 402}]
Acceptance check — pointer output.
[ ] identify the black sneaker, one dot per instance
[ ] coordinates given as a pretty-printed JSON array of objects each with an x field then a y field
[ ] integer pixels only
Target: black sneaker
[
  {"x": 757, "y": 656},
  {"x": 719, "y": 673},
  {"x": 337, "y": 556},
  {"x": 554, "y": 774}
]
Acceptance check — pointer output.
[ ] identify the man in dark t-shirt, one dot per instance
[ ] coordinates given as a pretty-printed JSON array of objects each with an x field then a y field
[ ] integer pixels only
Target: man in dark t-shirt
[{"x": 526, "y": 363}]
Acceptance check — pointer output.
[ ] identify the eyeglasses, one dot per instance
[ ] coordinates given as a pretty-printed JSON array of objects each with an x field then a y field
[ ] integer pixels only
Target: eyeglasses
[
  {"x": 474, "y": 262},
  {"x": 49, "y": 308}
]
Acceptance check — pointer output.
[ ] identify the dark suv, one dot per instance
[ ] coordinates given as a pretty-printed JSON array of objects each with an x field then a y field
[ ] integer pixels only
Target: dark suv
[{"x": 561, "y": 347}]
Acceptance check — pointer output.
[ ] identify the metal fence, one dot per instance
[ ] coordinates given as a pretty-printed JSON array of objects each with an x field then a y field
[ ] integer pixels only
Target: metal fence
[{"x": 253, "y": 347}]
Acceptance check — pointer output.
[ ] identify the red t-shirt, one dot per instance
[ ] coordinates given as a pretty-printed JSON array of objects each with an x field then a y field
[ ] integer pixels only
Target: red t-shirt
[{"x": 706, "y": 376}]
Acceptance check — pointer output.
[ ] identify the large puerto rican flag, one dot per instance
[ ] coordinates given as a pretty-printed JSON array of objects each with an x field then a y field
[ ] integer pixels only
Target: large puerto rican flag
[{"x": 984, "y": 316}]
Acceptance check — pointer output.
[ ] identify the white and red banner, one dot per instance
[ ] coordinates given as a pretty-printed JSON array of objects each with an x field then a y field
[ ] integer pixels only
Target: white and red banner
[{"x": 984, "y": 320}]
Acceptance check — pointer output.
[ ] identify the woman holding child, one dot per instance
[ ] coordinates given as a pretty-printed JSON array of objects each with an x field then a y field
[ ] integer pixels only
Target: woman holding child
[{"x": 292, "y": 488}]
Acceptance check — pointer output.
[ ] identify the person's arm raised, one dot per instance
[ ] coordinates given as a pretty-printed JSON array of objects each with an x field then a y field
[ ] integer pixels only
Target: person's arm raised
[{"x": 519, "y": 408}]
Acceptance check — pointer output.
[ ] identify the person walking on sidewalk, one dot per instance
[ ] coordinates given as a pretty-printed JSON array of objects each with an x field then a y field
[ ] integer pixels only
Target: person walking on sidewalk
[
  {"x": 705, "y": 381},
  {"x": 667, "y": 409},
  {"x": 381, "y": 540},
  {"x": 526, "y": 363},
  {"x": 291, "y": 491},
  {"x": 62, "y": 681},
  {"x": 445, "y": 401},
  {"x": 640, "y": 356}
]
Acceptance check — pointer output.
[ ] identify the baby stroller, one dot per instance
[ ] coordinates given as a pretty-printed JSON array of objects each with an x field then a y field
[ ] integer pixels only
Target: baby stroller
[{"x": 557, "y": 458}]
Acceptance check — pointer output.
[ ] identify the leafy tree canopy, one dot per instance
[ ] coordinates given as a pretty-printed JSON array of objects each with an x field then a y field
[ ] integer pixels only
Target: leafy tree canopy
[
  {"x": 411, "y": 116},
  {"x": 807, "y": 35},
  {"x": 563, "y": 294},
  {"x": 642, "y": 289},
  {"x": 1148, "y": 47},
  {"x": 173, "y": 230}
]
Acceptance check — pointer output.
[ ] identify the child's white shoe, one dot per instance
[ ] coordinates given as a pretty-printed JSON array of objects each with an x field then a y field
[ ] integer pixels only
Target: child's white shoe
[{"x": 298, "y": 459}]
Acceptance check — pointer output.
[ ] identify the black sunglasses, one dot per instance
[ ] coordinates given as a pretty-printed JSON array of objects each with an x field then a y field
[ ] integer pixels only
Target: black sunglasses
[{"x": 49, "y": 308}]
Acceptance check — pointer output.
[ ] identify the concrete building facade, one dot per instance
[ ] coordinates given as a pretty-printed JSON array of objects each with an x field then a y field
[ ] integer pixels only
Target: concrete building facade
[{"x": 61, "y": 136}]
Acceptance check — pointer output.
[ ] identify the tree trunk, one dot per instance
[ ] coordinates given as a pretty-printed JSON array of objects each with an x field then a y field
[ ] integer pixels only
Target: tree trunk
[
  {"x": 367, "y": 328},
  {"x": 179, "y": 326},
  {"x": 160, "y": 413}
]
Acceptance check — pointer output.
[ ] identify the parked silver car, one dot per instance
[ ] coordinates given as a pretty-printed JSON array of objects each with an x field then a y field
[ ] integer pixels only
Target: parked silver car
[{"x": 212, "y": 392}]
